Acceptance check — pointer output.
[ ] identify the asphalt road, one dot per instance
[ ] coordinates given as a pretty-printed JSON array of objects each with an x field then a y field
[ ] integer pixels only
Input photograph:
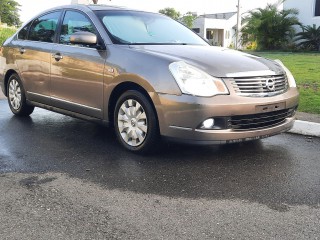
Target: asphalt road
[{"x": 63, "y": 178}]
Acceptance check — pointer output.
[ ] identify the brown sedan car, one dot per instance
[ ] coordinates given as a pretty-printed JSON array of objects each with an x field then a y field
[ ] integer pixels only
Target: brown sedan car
[{"x": 145, "y": 74}]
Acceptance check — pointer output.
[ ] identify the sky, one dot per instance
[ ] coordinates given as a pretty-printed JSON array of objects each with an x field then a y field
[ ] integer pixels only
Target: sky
[{"x": 28, "y": 10}]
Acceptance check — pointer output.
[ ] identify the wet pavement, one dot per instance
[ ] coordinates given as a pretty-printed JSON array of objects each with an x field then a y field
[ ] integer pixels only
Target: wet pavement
[{"x": 95, "y": 189}]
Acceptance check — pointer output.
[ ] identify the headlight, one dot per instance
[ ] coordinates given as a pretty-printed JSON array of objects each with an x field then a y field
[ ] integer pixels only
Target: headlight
[
  {"x": 291, "y": 80},
  {"x": 194, "y": 81}
]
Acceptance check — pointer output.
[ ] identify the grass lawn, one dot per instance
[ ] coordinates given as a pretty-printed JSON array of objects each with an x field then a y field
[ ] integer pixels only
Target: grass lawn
[{"x": 305, "y": 67}]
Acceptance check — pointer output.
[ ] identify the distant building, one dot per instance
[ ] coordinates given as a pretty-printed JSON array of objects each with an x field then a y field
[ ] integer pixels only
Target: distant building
[
  {"x": 219, "y": 29},
  {"x": 309, "y": 10}
]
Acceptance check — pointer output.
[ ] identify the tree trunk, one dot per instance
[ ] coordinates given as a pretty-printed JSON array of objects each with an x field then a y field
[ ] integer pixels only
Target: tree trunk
[{"x": 95, "y": 1}]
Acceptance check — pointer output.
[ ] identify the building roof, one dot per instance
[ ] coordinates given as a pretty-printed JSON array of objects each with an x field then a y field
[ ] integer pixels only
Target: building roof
[{"x": 225, "y": 16}]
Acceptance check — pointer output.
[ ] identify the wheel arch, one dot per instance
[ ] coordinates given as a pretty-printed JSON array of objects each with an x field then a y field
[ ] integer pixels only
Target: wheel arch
[
  {"x": 122, "y": 88},
  {"x": 6, "y": 79}
]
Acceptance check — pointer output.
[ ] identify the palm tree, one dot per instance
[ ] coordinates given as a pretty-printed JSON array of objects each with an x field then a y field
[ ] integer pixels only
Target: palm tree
[
  {"x": 269, "y": 26},
  {"x": 309, "y": 37}
]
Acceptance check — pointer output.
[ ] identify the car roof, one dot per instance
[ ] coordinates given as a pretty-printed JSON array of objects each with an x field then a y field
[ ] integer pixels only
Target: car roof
[
  {"x": 106, "y": 7},
  {"x": 84, "y": 8},
  {"x": 92, "y": 7}
]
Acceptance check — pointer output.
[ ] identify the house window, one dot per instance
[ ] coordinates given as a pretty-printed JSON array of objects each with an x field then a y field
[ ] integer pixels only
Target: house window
[
  {"x": 227, "y": 35},
  {"x": 196, "y": 30},
  {"x": 317, "y": 8},
  {"x": 209, "y": 34}
]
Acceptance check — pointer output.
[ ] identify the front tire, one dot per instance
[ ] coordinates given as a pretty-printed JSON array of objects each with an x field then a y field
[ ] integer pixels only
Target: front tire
[
  {"x": 135, "y": 122},
  {"x": 16, "y": 97}
]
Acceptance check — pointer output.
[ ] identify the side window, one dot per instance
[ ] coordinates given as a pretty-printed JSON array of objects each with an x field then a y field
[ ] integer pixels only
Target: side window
[
  {"x": 23, "y": 34},
  {"x": 74, "y": 22},
  {"x": 44, "y": 27},
  {"x": 317, "y": 8}
]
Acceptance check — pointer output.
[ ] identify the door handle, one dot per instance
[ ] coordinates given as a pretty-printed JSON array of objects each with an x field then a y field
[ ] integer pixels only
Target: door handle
[
  {"x": 22, "y": 50},
  {"x": 57, "y": 56}
]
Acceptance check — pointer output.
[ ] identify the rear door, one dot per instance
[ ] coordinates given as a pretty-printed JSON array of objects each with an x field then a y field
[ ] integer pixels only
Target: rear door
[
  {"x": 33, "y": 55},
  {"x": 77, "y": 70}
]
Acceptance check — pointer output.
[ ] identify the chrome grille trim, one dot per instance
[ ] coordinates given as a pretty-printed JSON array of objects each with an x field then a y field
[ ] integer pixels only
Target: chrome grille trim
[{"x": 257, "y": 86}]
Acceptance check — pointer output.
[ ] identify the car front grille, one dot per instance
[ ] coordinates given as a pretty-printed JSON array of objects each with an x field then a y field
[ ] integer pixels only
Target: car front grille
[
  {"x": 260, "y": 120},
  {"x": 260, "y": 86}
]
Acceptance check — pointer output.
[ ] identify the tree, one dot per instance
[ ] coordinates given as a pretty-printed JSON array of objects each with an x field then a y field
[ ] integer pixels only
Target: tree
[
  {"x": 9, "y": 12},
  {"x": 188, "y": 19},
  {"x": 171, "y": 12},
  {"x": 95, "y": 1},
  {"x": 269, "y": 27},
  {"x": 309, "y": 37}
]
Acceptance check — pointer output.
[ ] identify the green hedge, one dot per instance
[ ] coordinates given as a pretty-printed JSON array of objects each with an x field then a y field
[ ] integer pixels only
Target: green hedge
[{"x": 5, "y": 33}]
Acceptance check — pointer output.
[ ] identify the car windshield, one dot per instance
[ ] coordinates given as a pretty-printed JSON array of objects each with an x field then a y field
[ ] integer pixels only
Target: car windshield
[{"x": 137, "y": 28}]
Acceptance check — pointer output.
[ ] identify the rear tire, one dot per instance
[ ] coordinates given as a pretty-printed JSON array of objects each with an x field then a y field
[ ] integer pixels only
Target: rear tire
[
  {"x": 17, "y": 98},
  {"x": 135, "y": 122}
]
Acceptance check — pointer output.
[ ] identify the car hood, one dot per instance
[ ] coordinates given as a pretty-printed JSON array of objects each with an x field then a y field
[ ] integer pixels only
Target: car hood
[{"x": 216, "y": 61}]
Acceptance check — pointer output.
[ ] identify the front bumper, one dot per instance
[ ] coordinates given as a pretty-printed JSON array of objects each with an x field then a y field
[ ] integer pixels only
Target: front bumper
[
  {"x": 180, "y": 116},
  {"x": 208, "y": 137}
]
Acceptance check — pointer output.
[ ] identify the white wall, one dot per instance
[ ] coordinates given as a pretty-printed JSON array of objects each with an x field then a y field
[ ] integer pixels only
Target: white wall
[
  {"x": 226, "y": 25},
  {"x": 306, "y": 11},
  {"x": 200, "y": 23}
]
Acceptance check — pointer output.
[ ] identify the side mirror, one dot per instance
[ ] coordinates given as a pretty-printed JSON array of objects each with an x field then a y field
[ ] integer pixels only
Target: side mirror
[{"x": 85, "y": 38}]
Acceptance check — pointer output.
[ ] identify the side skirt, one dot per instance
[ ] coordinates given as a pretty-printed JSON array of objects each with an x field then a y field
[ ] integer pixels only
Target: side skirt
[{"x": 69, "y": 113}]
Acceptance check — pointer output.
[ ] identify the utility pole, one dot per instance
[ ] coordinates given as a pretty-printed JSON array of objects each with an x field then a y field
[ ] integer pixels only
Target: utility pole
[{"x": 238, "y": 25}]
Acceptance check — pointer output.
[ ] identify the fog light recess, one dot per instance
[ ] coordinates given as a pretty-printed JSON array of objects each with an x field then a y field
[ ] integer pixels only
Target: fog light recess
[{"x": 208, "y": 124}]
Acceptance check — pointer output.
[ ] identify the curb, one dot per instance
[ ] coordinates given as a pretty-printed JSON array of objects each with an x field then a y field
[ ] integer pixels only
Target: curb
[{"x": 306, "y": 128}]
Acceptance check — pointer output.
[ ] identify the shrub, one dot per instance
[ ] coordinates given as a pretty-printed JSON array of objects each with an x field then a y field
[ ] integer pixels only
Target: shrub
[
  {"x": 269, "y": 27},
  {"x": 309, "y": 38},
  {"x": 252, "y": 45},
  {"x": 6, "y": 33}
]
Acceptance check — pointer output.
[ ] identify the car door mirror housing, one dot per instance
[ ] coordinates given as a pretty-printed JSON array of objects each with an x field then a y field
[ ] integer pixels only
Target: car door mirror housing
[{"x": 85, "y": 38}]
